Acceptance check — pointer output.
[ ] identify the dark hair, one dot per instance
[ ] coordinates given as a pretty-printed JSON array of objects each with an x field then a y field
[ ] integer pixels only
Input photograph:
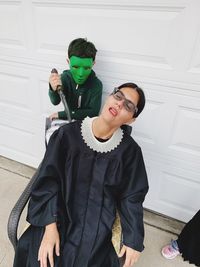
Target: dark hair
[
  {"x": 80, "y": 47},
  {"x": 141, "y": 101}
]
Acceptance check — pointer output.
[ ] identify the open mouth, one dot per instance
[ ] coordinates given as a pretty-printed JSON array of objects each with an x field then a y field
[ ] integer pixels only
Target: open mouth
[{"x": 113, "y": 111}]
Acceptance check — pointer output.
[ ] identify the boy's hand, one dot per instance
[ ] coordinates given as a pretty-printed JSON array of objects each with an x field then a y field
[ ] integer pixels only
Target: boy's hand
[
  {"x": 53, "y": 116},
  {"x": 54, "y": 81},
  {"x": 50, "y": 242},
  {"x": 131, "y": 256}
]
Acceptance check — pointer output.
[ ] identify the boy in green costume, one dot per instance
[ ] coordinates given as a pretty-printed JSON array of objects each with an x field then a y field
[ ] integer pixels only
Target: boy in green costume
[{"x": 81, "y": 87}]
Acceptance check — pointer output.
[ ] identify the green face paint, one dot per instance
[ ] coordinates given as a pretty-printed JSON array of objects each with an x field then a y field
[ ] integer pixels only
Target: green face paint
[{"x": 80, "y": 68}]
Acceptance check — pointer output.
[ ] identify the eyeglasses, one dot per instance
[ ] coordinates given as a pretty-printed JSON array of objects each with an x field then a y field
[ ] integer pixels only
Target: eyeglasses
[{"x": 128, "y": 105}]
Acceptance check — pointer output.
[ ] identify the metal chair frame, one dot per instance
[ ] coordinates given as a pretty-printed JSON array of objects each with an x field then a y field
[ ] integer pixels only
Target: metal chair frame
[{"x": 13, "y": 220}]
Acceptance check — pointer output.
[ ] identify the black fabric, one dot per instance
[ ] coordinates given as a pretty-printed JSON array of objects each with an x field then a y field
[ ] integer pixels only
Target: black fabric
[
  {"x": 81, "y": 189},
  {"x": 127, "y": 128},
  {"x": 101, "y": 140},
  {"x": 189, "y": 240}
]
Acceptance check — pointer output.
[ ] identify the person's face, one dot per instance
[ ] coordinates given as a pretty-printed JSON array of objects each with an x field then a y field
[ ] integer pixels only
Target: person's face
[
  {"x": 80, "y": 68},
  {"x": 115, "y": 111}
]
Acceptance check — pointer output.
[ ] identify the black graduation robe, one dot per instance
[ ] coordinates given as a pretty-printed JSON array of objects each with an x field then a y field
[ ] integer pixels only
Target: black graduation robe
[
  {"x": 189, "y": 240},
  {"x": 80, "y": 189}
]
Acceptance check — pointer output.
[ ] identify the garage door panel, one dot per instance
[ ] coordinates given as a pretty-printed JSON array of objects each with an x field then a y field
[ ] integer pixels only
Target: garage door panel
[
  {"x": 186, "y": 131},
  {"x": 19, "y": 88},
  {"x": 18, "y": 119},
  {"x": 10, "y": 83},
  {"x": 21, "y": 145},
  {"x": 11, "y": 26},
  {"x": 194, "y": 62},
  {"x": 173, "y": 188},
  {"x": 146, "y": 128},
  {"x": 25, "y": 138},
  {"x": 181, "y": 199},
  {"x": 155, "y": 23},
  {"x": 22, "y": 125}
]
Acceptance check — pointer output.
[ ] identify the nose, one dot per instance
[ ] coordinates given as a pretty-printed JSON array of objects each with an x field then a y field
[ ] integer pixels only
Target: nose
[
  {"x": 80, "y": 73},
  {"x": 120, "y": 103}
]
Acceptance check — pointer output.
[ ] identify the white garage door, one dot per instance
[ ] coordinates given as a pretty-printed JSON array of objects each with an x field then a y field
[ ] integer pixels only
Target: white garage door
[{"x": 153, "y": 43}]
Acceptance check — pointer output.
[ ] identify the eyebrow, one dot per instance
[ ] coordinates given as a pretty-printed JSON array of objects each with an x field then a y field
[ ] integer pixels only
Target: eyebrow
[{"x": 127, "y": 98}]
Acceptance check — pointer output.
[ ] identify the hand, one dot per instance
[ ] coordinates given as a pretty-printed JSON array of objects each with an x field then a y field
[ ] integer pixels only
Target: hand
[
  {"x": 50, "y": 241},
  {"x": 53, "y": 116},
  {"x": 131, "y": 256},
  {"x": 54, "y": 81}
]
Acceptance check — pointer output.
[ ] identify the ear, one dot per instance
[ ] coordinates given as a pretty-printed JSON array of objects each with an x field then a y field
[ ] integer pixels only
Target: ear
[
  {"x": 67, "y": 59},
  {"x": 93, "y": 63}
]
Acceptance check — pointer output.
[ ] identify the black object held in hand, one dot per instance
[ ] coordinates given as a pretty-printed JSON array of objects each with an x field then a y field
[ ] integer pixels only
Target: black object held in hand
[
  {"x": 62, "y": 97},
  {"x": 59, "y": 87}
]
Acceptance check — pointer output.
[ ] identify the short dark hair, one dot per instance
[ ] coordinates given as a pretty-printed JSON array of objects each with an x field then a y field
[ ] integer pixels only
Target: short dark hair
[
  {"x": 80, "y": 47},
  {"x": 142, "y": 99}
]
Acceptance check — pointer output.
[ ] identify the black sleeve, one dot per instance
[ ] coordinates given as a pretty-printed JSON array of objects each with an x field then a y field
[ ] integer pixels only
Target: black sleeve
[
  {"x": 42, "y": 208},
  {"x": 133, "y": 191}
]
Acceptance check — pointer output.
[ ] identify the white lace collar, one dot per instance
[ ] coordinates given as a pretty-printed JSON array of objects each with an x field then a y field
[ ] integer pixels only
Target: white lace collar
[{"x": 93, "y": 143}]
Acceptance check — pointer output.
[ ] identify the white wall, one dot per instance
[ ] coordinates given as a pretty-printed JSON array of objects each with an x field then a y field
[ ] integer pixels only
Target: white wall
[{"x": 153, "y": 43}]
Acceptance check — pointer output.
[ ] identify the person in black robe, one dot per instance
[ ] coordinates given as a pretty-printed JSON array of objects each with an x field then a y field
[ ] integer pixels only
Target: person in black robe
[
  {"x": 91, "y": 168},
  {"x": 187, "y": 243}
]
